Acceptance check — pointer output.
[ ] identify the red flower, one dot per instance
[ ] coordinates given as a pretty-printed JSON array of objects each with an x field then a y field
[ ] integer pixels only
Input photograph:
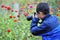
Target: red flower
[
  {"x": 16, "y": 10},
  {"x": 15, "y": 20},
  {"x": 30, "y": 6},
  {"x": 58, "y": 2},
  {"x": 10, "y": 16},
  {"x": 8, "y": 30},
  {"x": 25, "y": 14},
  {"x": 8, "y": 8},
  {"x": 57, "y": 14},
  {"x": 2, "y": 6}
]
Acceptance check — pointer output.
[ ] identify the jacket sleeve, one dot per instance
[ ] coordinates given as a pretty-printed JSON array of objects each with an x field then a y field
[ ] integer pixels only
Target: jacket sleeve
[{"x": 37, "y": 30}]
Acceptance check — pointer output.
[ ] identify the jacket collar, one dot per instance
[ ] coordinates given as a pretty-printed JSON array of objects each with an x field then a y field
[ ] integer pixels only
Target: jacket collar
[{"x": 47, "y": 16}]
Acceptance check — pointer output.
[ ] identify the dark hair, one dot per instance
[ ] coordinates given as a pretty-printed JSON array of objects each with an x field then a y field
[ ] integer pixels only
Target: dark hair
[{"x": 43, "y": 7}]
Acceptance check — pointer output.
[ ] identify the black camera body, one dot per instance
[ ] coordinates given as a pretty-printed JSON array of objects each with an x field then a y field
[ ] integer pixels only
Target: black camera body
[{"x": 30, "y": 17}]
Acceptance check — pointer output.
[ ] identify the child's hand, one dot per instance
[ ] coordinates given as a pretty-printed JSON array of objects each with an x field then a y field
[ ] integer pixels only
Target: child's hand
[{"x": 35, "y": 15}]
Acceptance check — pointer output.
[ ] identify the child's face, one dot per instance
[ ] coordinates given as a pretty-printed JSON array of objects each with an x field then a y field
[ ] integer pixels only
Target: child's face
[{"x": 40, "y": 15}]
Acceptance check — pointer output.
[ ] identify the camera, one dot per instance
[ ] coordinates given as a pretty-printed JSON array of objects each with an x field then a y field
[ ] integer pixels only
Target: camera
[{"x": 30, "y": 16}]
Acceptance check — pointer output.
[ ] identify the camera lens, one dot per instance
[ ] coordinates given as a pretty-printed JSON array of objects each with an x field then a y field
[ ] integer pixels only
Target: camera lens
[{"x": 29, "y": 18}]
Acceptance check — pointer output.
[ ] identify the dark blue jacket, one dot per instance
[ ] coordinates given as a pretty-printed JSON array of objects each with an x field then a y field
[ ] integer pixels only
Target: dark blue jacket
[{"x": 49, "y": 29}]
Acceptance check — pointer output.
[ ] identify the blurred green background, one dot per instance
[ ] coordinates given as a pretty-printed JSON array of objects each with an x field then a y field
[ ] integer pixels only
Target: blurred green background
[{"x": 13, "y": 23}]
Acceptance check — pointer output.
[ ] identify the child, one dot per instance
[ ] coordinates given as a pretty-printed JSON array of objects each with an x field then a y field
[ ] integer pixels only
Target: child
[{"x": 49, "y": 29}]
